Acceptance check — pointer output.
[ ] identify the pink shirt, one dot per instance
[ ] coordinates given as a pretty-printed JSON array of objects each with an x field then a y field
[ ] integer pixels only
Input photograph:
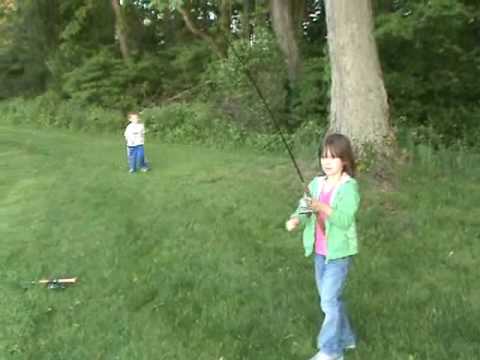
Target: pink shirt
[{"x": 320, "y": 238}]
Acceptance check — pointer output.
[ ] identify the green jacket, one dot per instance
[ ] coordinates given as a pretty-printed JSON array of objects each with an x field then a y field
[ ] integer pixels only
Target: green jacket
[{"x": 340, "y": 228}]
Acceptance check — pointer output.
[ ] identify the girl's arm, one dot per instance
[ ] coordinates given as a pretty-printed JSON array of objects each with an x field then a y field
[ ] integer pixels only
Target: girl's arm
[{"x": 343, "y": 215}]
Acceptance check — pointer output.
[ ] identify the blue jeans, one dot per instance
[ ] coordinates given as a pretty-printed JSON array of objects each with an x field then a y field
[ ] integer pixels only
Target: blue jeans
[
  {"x": 336, "y": 332},
  {"x": 136, "y": 156}
]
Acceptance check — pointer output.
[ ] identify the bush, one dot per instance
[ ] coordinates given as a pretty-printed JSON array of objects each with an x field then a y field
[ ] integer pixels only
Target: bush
[
  {"x": 75, "y": 115},
  {"x": 15, "y": 111},
  {"x": 188, "y": 123},
  {"x": 38, "y": 111},
  {"x": 311, "y": 98},
  {"x": 109, "y": 82},
  {"x": 200, "y": 123},
  {"x": 430, "y": 58},
  {"x": 49, "y": 110}
]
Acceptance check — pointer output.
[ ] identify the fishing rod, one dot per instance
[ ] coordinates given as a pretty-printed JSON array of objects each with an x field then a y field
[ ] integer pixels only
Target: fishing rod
[
  {"x": 274, "y": 121},
  {"x": 304, "y": 205},
  {"x": 53, "y": 283}
]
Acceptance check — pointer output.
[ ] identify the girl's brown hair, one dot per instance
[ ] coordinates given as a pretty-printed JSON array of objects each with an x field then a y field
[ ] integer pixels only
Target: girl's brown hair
[{"x": 339, "y": 146}]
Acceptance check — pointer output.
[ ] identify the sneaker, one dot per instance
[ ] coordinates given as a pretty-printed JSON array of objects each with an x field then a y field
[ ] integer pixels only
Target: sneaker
[
  {"x": 131, "y": 171},
  {"x": 144, "y": 169},
  {"x": 322, "y": 356},
  {"x": 350, "y": 347}
]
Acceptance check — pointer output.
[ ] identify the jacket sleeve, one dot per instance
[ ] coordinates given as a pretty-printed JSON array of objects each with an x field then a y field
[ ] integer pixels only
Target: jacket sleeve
[{"x": 343, "y": 214}]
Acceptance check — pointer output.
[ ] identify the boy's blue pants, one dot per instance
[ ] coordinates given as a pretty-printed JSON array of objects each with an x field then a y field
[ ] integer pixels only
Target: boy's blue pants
[{"x": 136, "y": 157}]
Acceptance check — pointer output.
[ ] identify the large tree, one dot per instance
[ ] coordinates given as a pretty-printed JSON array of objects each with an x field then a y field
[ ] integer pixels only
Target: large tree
[
  {"x": 284, "y": 21},
  {"x": 121, "y": 29},
  {"x": 359, "y": 107}
]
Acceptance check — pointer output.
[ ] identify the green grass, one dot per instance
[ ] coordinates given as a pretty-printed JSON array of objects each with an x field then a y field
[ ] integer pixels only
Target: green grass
[{"x": 191, "y": 260}]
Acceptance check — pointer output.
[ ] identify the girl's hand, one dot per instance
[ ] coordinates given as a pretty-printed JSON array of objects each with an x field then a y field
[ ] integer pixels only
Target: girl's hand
[
  {"x": 292, "y": 223},
  {"x": 318, "y": 206}
]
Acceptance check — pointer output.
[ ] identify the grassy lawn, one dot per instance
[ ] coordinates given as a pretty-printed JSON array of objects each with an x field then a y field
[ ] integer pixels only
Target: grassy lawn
[{"x": 191, "y": 260}]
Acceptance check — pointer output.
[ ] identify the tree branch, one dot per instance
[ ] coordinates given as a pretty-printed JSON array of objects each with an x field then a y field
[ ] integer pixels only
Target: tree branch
[{"x": 202, "y": 34}]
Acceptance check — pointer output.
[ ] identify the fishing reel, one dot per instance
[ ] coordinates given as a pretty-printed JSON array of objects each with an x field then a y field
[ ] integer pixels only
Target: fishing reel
[
  {"x": 52, "y": 283},
  {"x": 55, "y": 284},
  {"x": 304, "y": 205},
  {"x": 58, "y": 283}
]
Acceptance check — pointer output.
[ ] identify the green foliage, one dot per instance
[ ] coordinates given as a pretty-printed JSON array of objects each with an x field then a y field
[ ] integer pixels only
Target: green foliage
[
  {"x": 110, "y": 82},
  {"x": 74, "y": 115},
  {"x": 183, "y": 67},
  {"x": 186, "y": 123},
  {"x": 26, "y": 36},
  {"x": 102, "y": 79},
  {"x": 87, "y": 26},
  {"x": 234, "y": 93},
  {"x": 311, "y": 97},
  {"x": 200, "y": 123},
  {"x": 179, "y": 122},
  {"x": 166, "y": 4},
  {"x": 39, "y": 111},
  {"x": 429, "y": 52},
  {"x": 47, "y": 38},
  {"x": 49, "y": 110},
  {"x": 434, "y": 83}
]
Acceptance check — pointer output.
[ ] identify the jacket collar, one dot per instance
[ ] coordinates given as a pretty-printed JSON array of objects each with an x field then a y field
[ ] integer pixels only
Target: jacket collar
[
  {"x": 344, "y": 178},
  {"x": 322, "y": 179}
]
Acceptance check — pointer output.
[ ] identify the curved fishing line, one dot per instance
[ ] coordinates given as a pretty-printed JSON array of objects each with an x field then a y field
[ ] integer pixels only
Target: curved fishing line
[{"x": 270, "y": 113}]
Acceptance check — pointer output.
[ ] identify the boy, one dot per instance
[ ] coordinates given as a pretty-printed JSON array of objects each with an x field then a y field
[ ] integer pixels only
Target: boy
[{"x": 135, "y": 137}]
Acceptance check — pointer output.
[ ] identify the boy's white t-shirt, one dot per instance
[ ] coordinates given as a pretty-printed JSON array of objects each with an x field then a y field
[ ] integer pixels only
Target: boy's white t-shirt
[{"x": 135, "y": 134}]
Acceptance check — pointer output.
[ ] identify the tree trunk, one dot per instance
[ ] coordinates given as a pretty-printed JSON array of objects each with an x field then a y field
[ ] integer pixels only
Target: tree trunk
[
  {"x": 245, "y": 21},
  {"x": 120, "y": 30},
  {"x": 225, "y": 20},
  {"x": 298, "y": 13},
  {"x": 225, "y": 16},
  {"x": 358, "y": 107},
  {"x": 283, "y": 25}
]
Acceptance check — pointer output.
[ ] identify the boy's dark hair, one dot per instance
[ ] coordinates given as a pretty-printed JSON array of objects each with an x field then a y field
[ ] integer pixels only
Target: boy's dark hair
[{"x": 339, "y": 146}]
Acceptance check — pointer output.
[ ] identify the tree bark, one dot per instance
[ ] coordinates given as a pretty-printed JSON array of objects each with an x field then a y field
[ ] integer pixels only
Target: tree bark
[
  {"x": 225, "y": 20},
  {"x": 225, "y": 16},
  {"x": 359, "y": 107},
  {"x": 298, "y": 13},
  {"x": 283, "y": 25},
  {"x": 120, "y": 30},
  {"x": 245, "y": 21}
]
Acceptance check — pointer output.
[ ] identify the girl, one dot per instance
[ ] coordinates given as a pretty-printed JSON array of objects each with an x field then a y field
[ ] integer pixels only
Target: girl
[{"x": 330, "y": 231}]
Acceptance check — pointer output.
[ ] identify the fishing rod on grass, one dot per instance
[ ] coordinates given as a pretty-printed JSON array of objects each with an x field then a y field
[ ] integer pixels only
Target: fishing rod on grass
[{"x": 53, "y": 283}]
